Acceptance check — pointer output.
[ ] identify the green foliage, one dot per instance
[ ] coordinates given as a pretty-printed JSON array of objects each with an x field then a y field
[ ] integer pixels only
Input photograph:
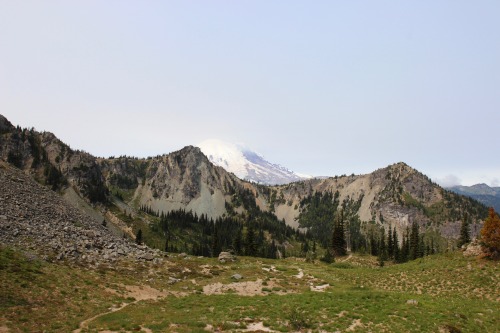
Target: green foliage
[
  {"x": 15, "y": 158},
  {"x": 464, "y": 233},
  {"x": 125, "y": 182},
  {"x": 317, "y": 214},
  {"x": 138, "y": 237},
  {"x": 54, "y": 177},
  {"x": 339, "y": 245}
]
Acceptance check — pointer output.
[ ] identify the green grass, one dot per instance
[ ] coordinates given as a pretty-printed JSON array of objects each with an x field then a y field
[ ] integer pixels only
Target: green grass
[{"x": 451, "y": 291}]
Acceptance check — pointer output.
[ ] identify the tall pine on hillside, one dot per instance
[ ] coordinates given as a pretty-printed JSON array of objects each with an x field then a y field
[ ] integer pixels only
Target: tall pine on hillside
[
  {"x": 339, "y": 244},
  {"x": 464, "y": 232}
]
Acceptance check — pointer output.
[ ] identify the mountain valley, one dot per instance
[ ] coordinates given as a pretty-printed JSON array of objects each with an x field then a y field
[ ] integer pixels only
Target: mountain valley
[{"x": 126, "y": 244}]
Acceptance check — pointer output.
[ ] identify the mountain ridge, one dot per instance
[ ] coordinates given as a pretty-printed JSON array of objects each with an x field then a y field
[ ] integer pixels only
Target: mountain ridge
[
  {"x": 488, "y": 195},
  {"x": 394, "y": 196}
]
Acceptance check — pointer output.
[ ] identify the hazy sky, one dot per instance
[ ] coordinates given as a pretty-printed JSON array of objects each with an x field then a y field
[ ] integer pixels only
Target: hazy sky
[{"x": 321, "y": 87}]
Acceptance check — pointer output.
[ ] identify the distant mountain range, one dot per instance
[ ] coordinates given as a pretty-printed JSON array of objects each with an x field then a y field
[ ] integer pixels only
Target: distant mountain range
[
  {"x": 247, "y": 164},
  {"x": 489, "y": 196}
]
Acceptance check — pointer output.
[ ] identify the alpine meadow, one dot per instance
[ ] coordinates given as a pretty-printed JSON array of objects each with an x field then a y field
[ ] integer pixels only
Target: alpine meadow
[{"x": 249, "y": 166}]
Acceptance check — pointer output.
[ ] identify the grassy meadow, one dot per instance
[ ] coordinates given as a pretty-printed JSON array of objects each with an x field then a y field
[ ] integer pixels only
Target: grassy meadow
[{"x": 441, "y": 293}]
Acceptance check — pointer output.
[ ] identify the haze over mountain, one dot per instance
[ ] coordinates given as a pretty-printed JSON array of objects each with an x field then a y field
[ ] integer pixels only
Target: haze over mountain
[
  {"x": 247, "y": 164},
  {"x": 489, "y": 196}
]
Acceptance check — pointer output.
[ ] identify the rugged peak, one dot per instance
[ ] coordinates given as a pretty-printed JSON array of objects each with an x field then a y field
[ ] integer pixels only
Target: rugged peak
[{"x": 5, "y": 125}]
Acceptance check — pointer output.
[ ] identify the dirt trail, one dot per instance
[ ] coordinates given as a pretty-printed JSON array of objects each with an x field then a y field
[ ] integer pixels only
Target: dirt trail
[{"x": 140, "y": 293}]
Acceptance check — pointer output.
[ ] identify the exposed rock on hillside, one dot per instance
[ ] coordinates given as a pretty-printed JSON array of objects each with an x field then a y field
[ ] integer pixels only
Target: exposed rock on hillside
[
  {"x": 397, "y": 195},
  {"x": 184, "y": 179},
  {"x": 51, "y": 162},
  {"x": 34, "y": 218}
]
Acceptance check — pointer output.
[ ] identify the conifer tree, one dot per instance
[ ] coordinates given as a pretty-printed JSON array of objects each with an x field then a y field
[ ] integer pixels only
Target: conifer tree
[
  {"x": 339, "y": 245},
  {"x": 464, "y": 232},
  {"x": 414, "y": 242},
  {"x": 390, "y": 245},
  {"x": 138, "y": 237},
  {"x": 250, "y": 241},
  {"x": 237, "y": 242}
]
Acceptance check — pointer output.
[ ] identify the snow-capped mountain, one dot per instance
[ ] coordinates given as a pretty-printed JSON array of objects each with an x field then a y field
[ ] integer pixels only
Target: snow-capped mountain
[{"x": 247, "y": 164}]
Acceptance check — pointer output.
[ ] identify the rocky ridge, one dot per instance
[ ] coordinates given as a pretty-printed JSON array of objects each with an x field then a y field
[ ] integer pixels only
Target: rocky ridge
[{"x": 36, "y": 219}]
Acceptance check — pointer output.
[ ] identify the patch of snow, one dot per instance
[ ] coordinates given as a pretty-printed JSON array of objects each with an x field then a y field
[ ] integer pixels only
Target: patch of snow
[{"x": 247, "y": 164}]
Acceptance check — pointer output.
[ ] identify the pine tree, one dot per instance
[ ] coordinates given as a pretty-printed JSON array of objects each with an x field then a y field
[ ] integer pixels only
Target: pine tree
[
  {"x": 339, "y": 245},
  {"x": 414, "y": 242},
  {"x": 250, "y": 241},
  {"x": 138, "y": 237},
  {"x": 395, "y": 243},
  {"x": 464, "y": 232},
  {"x": 215, "y": 242},
  {"x": 382, "y": 249},
  {"x": 237, "y": 242},
  {"x": 390, "y": 245}
]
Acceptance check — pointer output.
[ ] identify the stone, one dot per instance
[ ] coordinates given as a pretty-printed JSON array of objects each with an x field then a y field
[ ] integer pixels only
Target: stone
[
  {"x": 226, "y": 257},
  {"x": 172, "y": 280},
  {"x": 146, "y": 256},
  {"x": 237, "y": 277},
  {"x": 412, "y": 302},
  {"x": 473, "y": 249}
]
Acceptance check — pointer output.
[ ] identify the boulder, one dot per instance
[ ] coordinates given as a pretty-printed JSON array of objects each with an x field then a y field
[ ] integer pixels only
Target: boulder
[
  {"x": 473, "y": 249},
  {"x": 226, "y": 257}
]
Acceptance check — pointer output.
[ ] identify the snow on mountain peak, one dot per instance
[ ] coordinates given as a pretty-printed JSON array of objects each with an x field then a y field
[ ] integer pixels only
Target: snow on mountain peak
[{"x": 247, "y": 164}]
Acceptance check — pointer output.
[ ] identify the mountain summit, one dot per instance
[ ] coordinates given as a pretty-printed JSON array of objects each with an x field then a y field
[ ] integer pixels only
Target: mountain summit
[{"x": 247, "y": 164}]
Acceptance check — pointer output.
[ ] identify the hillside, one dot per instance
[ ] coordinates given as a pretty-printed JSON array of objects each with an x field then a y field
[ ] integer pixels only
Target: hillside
[
  {"x": 190, "y": 294},
  {"x": 395, "y": 196}
]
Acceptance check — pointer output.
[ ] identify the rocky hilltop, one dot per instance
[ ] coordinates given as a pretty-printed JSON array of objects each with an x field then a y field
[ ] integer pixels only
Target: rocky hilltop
[
  {"x": 36, "y": 219},
  {"x": 184, "y": 179},
  {"x": 50, "y": 161},
  {"x": 395, "y": 196}
]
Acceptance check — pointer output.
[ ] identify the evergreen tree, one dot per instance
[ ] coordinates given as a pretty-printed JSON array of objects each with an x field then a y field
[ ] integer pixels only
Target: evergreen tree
[
  {"x": 405, "y": 247},
  {"x": 339, "y": 245},
  {"x": 414, "y": 242},
  {"x": 464, "y": 232},
  {"x": 250, "y": 241},
  {"x": 138, "y": 237},
  {"x": 390, "y": 245},
  {"x": 382, "y": 249},
  {"x": 237, "y": 242},
  {"x": 395, "y": 251},
  {"x": 215, "y": 242},
  {"x": 421, "y": 247}
]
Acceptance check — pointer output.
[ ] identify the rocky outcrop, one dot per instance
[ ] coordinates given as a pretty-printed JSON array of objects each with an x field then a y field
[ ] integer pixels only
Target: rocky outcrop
[
  {"x": 226, "y": 257},
  {"x": 36, "y": 219}
]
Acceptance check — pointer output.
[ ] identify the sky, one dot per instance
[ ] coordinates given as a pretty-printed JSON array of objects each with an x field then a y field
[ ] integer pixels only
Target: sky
[{"x": 322, "y": 87}]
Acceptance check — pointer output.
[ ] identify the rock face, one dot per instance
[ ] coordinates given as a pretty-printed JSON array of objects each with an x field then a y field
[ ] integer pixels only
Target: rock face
[
  {"x": 34, "y": 218},
  {"x": 397, "y": 195}
]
